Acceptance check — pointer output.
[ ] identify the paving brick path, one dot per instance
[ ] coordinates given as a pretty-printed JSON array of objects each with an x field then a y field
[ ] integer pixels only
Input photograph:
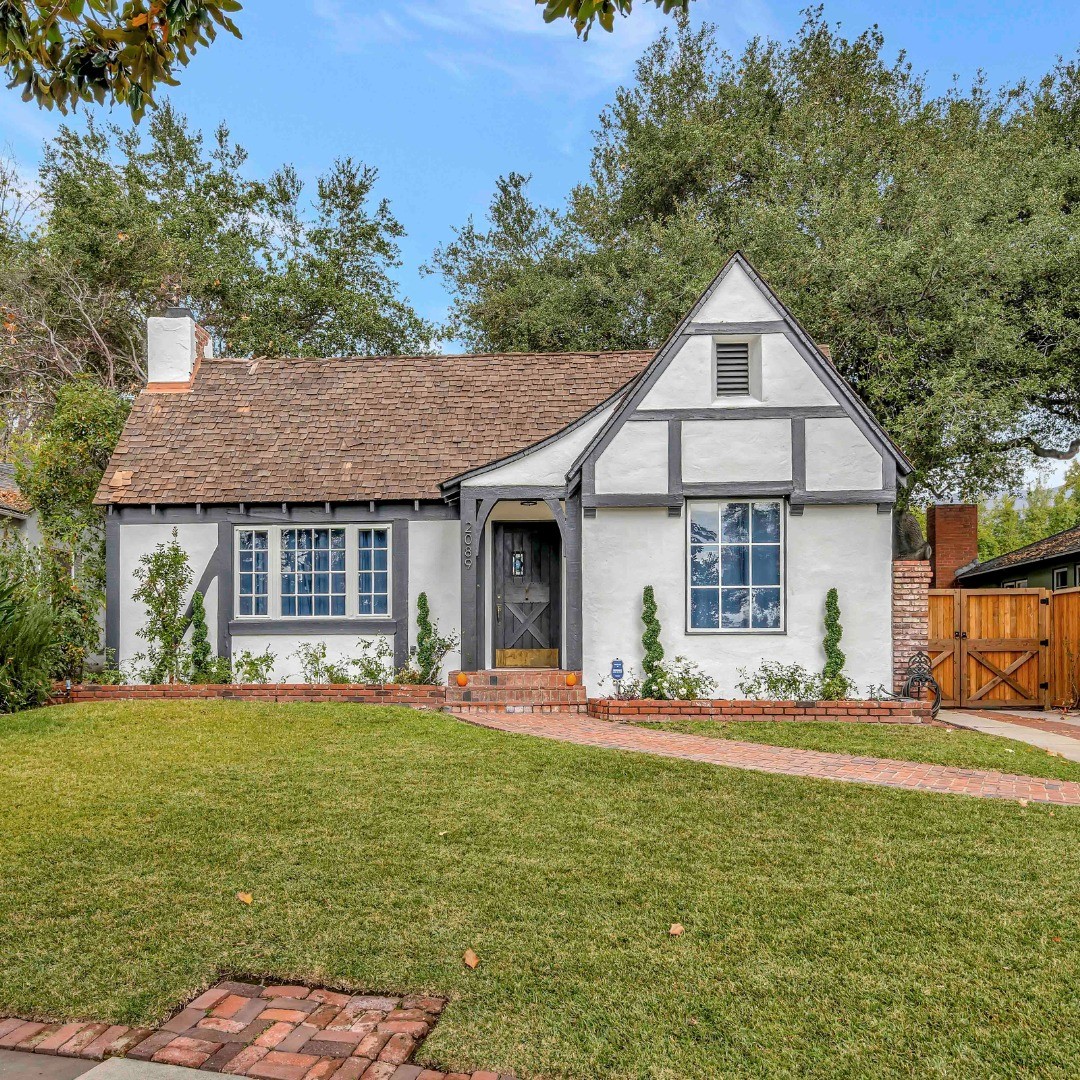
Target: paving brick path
[
  {"x": 584, "y": 731},
  {"x": 268, "y": 1032}
]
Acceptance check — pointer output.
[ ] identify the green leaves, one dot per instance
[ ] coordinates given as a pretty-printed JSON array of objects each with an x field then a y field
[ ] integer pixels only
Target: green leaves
[
  {"x": 584, "y": 12},
  {"x": 61, "y": 54}
]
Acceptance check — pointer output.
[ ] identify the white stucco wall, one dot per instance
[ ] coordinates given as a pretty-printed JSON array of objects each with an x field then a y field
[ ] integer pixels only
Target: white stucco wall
[
  {"x": 199, "y": 541},
  {"x": 738, "y": 299},
  {"x": 849, "y": 547},
  {"x": 340, "y": 649},
  {"x": 786, "y": 379},
  {"x": 721, "y": 451},
  {"x": 839, "y": 457},
  {"x": 636, "y": 460},
  {"x": 548, "y": 465},
  {"x": 170, "y": 349},
  {"x": 435, "y": 568}
]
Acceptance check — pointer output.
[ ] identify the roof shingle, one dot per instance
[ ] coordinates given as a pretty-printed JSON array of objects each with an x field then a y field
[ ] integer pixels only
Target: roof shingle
[{"x": 343, "y": 430}]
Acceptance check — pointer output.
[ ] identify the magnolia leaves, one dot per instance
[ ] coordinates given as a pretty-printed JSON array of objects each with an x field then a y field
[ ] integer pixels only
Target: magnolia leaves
[
  {"x": 61, "y": 54},
  {"x": 245, "y": 898},
  {"x": 585, "y": 12},
  {"x": 470, "y": 959}
]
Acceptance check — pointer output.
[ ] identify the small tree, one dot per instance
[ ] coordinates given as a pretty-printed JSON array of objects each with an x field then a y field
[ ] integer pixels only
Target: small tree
[
  {"x": 164, "y": 576},
  {"x": 652, "y": 661},
  {"x": 834, "y": 657}
]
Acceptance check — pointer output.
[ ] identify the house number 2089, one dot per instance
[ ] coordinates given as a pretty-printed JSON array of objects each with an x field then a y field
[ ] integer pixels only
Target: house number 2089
[{"x": 467, "y": 541}]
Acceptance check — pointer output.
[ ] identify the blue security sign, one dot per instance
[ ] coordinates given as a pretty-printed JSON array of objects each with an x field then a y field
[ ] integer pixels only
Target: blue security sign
[{"x": 617, "y": 669}]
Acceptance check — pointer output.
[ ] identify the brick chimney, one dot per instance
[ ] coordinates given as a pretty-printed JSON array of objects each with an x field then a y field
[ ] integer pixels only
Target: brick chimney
[
  {"x": 952, "y": 531},
  {"x": 175, "y": 344}
]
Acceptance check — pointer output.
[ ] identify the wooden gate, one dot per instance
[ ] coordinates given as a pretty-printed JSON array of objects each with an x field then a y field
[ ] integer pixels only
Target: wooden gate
[
  {"x": 1065, "y": 647},
  {"x": 989, "y": 647}
]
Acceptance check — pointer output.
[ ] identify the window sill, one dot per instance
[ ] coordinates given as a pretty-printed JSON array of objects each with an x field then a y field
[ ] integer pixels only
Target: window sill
[
  {"x": 315, "y": 624},
  {"x": 697, "y": 632}
]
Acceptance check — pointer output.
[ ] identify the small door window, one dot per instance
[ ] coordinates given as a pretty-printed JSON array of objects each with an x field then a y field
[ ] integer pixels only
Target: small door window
[{"x": 517, "y": 563}]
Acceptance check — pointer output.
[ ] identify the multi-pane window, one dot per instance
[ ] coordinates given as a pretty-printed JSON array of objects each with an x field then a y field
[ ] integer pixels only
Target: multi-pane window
[
  {"x": 312, "y": 572},
  {"x": 254, "y": 565},
  {"x": 374, "y": 580},
  {"x": 735, "y": 555},
  {"x": 296, "y": 572}
]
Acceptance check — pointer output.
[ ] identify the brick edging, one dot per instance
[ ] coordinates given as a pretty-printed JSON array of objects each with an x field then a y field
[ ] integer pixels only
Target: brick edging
[
  {"x": 867, "y": 712},
  {"x": 432, "y": 697}
]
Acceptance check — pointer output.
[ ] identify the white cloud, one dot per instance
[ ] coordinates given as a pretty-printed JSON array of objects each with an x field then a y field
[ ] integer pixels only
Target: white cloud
[{"x": 351, "y": 31}]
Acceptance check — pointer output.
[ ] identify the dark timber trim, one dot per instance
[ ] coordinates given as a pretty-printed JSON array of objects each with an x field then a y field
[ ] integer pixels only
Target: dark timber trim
[
  {"x": 112, "y": 589},
  {"x": 282, "y": 627},
  {"x": 841, "y": 498},
  {"x": 399, "y": 560},
  {"x": 743, "y": 412},
  {"x": 748, "y": 488},
  {"x": 764, "y": 326},
  {"x": 674, "y": 460},
  {"x": 659, "y": 499},
  {"x": 297, "y": 514}
]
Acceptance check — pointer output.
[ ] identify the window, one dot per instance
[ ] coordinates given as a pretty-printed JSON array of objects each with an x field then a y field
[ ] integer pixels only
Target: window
[
  {"x": 1061, "y": 577},
  {"x": 374, "y": 571},
  {"x": 254, "y": 568},
  {"x": 732, "y": 368},
  {"x": 1019, "y": 583},
  {"x": 517, "y": 564},
  {"x": 735, "y": 565},
  {"x": 298, "y": 572},
  {"x": 312, "y": 572}
]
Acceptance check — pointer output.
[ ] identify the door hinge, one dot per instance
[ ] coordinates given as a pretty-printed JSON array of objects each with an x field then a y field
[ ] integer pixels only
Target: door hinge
[
  {"x": 1045, "y": 641},
  {"x": 1044, "y": 599},
  {"x": 1044, "y": 686}
]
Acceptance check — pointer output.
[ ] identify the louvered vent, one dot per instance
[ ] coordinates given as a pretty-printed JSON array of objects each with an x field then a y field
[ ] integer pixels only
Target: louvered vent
[{"x": 732, "y": 368}]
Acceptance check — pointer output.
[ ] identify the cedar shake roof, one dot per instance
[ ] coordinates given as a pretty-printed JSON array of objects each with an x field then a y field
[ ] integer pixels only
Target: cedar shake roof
[
  {"x": 354, "y": 429},
  {"x": 1051, "y": 547}
]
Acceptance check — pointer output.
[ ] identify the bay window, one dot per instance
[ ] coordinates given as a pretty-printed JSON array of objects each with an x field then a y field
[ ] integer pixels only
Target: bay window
[
  {"x": 735, "y": 565},
  {"x": 340, "y": 571}
]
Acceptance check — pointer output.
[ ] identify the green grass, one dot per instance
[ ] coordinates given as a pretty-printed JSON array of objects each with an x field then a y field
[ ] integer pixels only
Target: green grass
[
  {"x": 935, "y": 745},
  {"x": 832, "y": 930}
]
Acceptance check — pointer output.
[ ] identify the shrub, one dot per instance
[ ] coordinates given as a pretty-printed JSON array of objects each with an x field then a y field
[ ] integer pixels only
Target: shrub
[
  {"x": 27, "y": 647},
  {"x": 375, "y": 664},
  {"x": 315, "y": 668},
  {"x": 431, "y": 647},
  {"x": 775, "y": 681},
  {"x": 653, "y": 659},
  {"x": 202, "y": 666},
  {"x": 679, "y": 679},
  {"x": 249, "y": 667},
  {"x": 834, "y": 657}
]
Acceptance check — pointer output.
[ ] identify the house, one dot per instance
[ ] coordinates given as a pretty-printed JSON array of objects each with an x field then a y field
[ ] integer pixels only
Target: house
[
  {"x": 17, "y": 518},
  {"x": 1051, "y": 563},
  {"x": 532, "y": 497}
]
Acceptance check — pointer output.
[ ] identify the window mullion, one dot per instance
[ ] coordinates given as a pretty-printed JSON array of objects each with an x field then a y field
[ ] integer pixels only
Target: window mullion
[
  {"x": 274, "y": 557},
  {"x": 352, "y": 569}
]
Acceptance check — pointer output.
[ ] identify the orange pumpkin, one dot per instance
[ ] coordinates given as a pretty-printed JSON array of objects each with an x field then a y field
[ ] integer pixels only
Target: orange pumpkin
[
  {"x": 462, "y": 679},
  {"x": 571, "y": 679}
]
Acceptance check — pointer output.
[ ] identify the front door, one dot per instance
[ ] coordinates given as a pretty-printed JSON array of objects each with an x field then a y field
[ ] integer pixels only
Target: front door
[{"x": 527, "y": 593}]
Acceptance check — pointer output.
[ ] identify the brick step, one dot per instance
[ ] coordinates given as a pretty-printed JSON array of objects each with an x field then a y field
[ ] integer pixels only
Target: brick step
[
  {"x": 516, "y": 679},
  {"x": 469, "y": 708},
  {"x": 566, "y": 696}
]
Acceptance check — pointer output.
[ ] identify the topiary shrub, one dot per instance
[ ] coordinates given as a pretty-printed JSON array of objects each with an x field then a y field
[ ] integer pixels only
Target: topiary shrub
[
  {"x": 431, "y": 647},
  {"x": 200, "y": 657},
  {"x": 652, "y": 673},
  {"x": 832, "y": 675}
]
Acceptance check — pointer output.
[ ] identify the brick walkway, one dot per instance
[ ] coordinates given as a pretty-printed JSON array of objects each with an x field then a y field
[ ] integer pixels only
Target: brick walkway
[
  {"x": 268, "y": 1032},
  {"x": 584, "y": 731}
]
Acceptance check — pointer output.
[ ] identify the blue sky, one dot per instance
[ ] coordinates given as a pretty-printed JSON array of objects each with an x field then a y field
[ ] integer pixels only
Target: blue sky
[{"x": 444, "y": 95}]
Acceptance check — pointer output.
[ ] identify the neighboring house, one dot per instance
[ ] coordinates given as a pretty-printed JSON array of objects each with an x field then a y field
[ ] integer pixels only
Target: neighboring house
[
  {"x": 1052, "y": 563},
  {"x": 531, "y": 496},
  {"x": 17, "y": 518}
]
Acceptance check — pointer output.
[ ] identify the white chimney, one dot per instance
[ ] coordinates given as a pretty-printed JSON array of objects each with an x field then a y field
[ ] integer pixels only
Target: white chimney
[{"x": 174, "y": 345}]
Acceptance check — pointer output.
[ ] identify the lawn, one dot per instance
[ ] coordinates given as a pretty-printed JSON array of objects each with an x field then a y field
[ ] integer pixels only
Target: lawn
[
  {"x": 832, "y": 930},
  {"x": 935, "y": 745}
]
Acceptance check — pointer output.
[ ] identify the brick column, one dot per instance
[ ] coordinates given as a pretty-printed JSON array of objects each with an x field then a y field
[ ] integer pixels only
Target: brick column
[
  {"x": 952, "y": 531},
  {"x": 910, "y": 613}
]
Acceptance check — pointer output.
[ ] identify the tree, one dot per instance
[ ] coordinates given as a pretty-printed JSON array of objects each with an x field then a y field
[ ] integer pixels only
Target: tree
[
  {"x": 134, "y": 221},
  {"x": 929, "y": 240},
  {"x": 1005, "y": 524},
  {"x": 585, "y": 12},
  {"x": 201, "y": 663},
  {"x": 163, "y": 576},
  {"x": 62, "y": 53}
]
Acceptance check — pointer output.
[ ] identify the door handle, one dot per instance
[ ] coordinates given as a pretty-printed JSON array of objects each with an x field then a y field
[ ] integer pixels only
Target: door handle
[{"x": 498, "y": 609}]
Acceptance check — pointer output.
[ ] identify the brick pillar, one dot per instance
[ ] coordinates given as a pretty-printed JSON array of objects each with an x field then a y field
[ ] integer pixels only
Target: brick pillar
[
  {"x": 910, "y": 613},
  {"x": 952, "y": 531}
]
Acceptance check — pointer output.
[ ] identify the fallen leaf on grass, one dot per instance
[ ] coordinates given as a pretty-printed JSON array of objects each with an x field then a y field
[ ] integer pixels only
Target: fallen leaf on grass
[
  {"x": 472, "y": 961},
  {"x": 244, "y": 897},
  {"x": 676, "y": 929},
  {"x": 1022, "y": 802}
]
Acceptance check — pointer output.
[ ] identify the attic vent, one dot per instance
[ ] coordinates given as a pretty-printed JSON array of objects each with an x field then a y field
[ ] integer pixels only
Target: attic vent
[{"x": 732, "y": 368}]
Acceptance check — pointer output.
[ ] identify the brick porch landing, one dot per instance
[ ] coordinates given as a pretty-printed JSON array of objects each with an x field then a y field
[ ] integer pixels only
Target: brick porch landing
[
  {"x": 268, "y": 1032},
  {"x": 883, "y": 772}
]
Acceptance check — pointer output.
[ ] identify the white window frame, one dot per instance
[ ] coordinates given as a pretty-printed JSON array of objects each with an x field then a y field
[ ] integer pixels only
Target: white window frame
[
  {"x": 1017, "y": 583},
  {"x": 352, "y": 571},
  {"x": 1054, "y": 578},
  {"x": 782, "y": 628}
]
